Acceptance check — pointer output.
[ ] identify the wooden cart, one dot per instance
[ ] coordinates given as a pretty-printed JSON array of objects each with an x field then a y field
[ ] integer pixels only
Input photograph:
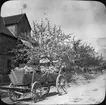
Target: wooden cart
[{"x": 39, "y": 84}]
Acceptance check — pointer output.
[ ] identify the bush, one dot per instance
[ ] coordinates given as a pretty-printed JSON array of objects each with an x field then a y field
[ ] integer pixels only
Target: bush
[
  {"x": 88, "y": 76},
  {"x": 79, "y": 78}
]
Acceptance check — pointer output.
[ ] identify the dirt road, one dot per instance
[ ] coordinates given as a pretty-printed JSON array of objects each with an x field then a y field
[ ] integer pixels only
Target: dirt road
[{"x": 90, "y": 93}]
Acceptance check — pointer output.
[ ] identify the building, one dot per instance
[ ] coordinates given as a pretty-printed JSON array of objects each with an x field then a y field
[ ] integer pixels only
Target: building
[
  {"x": 11, "y": 28},
  {"x": 7, "y": 41},
  {"x": 17, "y": 24}
]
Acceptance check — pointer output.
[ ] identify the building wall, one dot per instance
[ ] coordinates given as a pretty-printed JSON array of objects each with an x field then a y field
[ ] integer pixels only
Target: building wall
[
  {"x": 6, "y": 44},
  {"x": 23, "y": 26},
  {"x": 3, "y": 63}
]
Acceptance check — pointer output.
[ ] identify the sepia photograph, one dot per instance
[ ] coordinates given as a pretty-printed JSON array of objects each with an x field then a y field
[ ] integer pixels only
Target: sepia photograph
[{"x": 52, "y": 52}]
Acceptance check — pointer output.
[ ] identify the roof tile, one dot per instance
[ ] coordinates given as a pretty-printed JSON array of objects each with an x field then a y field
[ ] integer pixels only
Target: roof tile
[{"x": 13, "y": 19}]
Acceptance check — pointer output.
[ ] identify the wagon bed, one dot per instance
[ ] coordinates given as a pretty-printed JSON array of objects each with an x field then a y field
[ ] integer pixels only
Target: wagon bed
[{"x": 32, "y": 82}]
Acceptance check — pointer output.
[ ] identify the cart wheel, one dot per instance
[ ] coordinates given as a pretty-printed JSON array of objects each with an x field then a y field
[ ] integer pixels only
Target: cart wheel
[
  {"x": 13, "y": 96},
  {"x": 36, "y": 91},
  {"x": 47, "y": 90},
  {"x": 61, "y": 84}
]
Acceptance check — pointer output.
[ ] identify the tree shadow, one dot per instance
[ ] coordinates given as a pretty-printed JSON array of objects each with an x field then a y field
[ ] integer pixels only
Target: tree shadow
[
  {"x": 42, "y": 98},
  {"x": 48, "y": 95},
  {"x": 52, "y": 94}
]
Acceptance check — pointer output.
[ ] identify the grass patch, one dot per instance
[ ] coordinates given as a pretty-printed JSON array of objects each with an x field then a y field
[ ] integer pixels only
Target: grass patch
[
  {"x": 80, "y": 78},
  {"x": 88, "y": 76}
]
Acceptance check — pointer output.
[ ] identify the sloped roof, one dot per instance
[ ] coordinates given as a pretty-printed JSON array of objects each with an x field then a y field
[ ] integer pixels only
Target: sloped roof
[
  {"x": 13, "y": 19},
  {"x": 3, "y": 28}
]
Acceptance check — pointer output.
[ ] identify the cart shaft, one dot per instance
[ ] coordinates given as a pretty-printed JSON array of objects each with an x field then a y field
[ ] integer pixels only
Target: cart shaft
[{"x": 14, "y": 88}]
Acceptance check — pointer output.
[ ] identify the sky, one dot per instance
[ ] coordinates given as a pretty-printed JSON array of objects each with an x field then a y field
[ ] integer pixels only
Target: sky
[{"x": 85, "y": 19}]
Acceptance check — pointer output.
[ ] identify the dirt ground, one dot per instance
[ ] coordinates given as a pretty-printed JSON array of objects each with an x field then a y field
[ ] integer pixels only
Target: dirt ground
[{"x": 90, "y": 92}]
